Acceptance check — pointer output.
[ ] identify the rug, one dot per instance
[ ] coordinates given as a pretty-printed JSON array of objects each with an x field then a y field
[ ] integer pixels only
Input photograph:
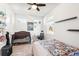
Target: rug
[{"x": 22, "y": 50}]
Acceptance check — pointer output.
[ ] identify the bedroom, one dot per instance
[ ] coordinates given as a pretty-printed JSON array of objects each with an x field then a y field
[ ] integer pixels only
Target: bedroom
[{"x": 19, "y": 21}]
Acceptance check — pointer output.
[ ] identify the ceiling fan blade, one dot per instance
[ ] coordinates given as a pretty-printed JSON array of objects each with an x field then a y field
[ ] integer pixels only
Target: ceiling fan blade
[
  {"x": 30, "y": 3},
  {"x": 34, "y": 3},
  {"x": 38, "y": 9},
  {"x": 41, "y": 4}
]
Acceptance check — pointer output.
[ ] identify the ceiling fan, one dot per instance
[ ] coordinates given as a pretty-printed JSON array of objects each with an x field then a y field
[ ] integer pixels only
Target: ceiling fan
[{"x": 36, "y": 6}]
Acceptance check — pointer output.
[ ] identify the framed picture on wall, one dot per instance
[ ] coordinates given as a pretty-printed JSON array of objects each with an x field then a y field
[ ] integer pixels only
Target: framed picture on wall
[{"x": 30, "y": 26}]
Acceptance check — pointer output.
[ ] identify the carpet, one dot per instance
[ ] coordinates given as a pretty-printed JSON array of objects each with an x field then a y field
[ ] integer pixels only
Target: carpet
[{"x": 22, "y": 50}]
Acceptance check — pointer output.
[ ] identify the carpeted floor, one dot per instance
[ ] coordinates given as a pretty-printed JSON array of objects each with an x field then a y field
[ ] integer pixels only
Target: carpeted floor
[{"x": 22, "y": 50}]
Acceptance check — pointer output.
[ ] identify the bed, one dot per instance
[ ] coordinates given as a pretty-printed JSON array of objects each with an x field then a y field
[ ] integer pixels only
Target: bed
[{"x": 52, "y": 47}]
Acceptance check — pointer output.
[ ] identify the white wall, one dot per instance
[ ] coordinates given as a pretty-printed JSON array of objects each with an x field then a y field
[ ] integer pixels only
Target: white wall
[
  {"x": 21, "y": 24},
  {"x": 64, "y": 11}
]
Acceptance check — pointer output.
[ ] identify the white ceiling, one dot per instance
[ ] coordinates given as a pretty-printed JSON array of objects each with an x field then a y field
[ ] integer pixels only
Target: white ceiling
[{"x": 21, "y": 9}]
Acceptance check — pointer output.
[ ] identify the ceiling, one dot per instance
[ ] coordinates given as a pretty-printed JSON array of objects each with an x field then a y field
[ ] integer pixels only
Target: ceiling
[{"x": 21, "y": 9}]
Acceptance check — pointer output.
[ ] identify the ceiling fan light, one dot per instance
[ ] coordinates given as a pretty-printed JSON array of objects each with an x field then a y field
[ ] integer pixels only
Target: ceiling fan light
[{"x": 34, "y": 6}]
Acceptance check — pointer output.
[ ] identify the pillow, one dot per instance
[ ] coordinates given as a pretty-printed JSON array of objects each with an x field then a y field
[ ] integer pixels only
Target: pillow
[{"x": 76, "y": 53}]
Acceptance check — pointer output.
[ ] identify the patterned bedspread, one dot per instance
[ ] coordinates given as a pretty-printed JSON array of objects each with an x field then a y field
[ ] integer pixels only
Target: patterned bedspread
[{"x": 58, "y": 48}]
